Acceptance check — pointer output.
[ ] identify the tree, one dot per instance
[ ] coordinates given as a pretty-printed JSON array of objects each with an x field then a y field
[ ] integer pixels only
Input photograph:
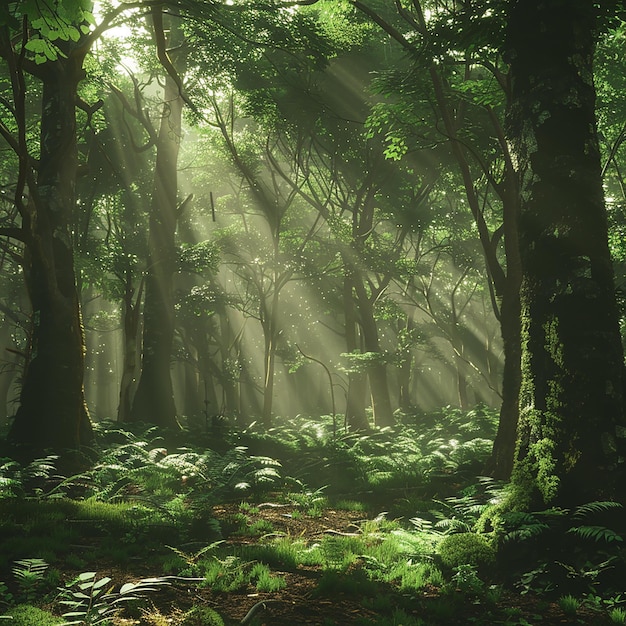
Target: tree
[
  {"x": 52, "y": 411},
  {"x": 455, "y": 69},
  {"x": 154, "y": 398},
  {"x": 571, "y": 433}
]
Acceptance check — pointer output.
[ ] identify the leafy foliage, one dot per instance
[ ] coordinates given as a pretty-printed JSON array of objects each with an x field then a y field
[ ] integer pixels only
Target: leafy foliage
[
  {"x": 52, "y": 23},
  {"x": 93, "y": 600},
  {"x": 29, "y": 575},
  {"x": 558, "y": 548}
]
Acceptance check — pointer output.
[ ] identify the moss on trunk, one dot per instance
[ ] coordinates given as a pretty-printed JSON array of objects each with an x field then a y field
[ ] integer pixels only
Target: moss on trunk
[{"x": 571, "y": 432}]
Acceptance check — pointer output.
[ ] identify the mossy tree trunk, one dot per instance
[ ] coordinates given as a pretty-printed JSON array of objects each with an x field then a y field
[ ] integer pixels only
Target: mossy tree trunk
[
  {"x": 52, "y": 411},
  {"x": 571, "y": 431}
]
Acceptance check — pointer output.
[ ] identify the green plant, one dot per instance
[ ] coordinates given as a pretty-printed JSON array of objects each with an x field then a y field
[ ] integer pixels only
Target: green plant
[
  {"x": 354, "y": 583},
  {"x": 416, "y": 576},
  {"x": 569, "y": 604},
  {"x": 29, "y": 480},
  {"x": 617, "y": 616},
  {"x": 29, "y": 576},
  {"x": 466, "y": 580},
  {"x": 537, "y": 580},
  {"x": 258, "y": 527},
  {"x": 350, "y": 505},
  {"x": 201, "y": 616},
  {"x": 226, "y": 574},
  {"x": 312, "y": 502},
  {"x": 265, "y": 581},
  {"x": 94, "y": 602},
  {"x": 6, "y": 597},
  {"x": 248, "y": 508},
  {"x": 191, "y": 559},
  {"x": 340, "y": 552},
  {"x": 466, "y": 549}
]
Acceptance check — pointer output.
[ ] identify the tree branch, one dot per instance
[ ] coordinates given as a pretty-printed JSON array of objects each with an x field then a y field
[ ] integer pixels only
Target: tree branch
[{"x": 164, "y": 58}]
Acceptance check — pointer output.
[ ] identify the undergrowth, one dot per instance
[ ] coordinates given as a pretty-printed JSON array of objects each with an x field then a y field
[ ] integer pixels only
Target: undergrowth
[{"x": 149, "y": 497}]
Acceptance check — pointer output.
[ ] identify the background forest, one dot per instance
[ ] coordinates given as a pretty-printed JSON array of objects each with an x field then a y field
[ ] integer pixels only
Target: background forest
[{"x": 330, "y": 255}]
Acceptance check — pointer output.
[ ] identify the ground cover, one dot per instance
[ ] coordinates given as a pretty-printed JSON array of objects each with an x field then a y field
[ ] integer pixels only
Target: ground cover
[{"x": 297, "y": 527}]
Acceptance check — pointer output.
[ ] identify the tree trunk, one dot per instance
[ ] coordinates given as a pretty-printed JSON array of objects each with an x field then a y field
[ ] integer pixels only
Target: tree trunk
[
  {"x": 405, "y": 367},
  {"x": 52, "y": 411},
  {"x": 227, "y": 380},
  {"x": 376, "y": 372},
  {"x": 459, "y": 363},
  {"x": 571, "y": 430},
  {"x": 130, "y": 350},
  {"x": 208, "y": 372},
  {"x": 500, "y": 465},
  {"x": 270, "y": 330},
  {"x": 356, "y": 418},
  {"x": 503, "y": 453},
  {"x": 9, "y": 368},
  {"x": 154, "y": 398}
]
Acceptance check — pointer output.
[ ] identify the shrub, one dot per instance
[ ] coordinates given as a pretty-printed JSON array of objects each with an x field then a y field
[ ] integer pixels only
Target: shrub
[{"x": 466, "y": 549}]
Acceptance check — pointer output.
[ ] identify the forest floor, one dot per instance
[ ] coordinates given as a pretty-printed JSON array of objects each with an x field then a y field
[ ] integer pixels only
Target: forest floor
[
  {"x": 302, "y": 602},
  {"x": 353, "y": 530}
]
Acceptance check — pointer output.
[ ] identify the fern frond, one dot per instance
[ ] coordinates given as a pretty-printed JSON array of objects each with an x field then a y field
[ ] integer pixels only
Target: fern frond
[
  {"x": 526, "y": 532},
  {"x": 454, "y": 525},
  {"x": 596, "y": 507},
  {"x": 597, "y": 533}
]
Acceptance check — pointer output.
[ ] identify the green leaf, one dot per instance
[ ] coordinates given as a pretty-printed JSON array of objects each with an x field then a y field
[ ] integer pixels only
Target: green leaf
[
  {"x": 89, "y": 18},
  {"x": 73, "y": 33},
  {"x": 36, "y": 45},
  {"x": 100, "y": 583}
]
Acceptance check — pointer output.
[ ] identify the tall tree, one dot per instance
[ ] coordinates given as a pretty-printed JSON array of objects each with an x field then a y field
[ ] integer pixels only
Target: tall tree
[
  {"x": 154, "y": 398},
  {"x": 52, "y": 411},
  {"x": 455, "y": 68},
  {"x": 572, "y": 428}
]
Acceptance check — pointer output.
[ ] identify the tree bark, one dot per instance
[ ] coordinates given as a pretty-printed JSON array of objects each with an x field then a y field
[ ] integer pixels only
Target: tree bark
[
  {"x": 405, "y": 368},
  {"x": 130, "y": 348},
  {"x": 356, "y": 418},
  {"x": 376, "y": 372},
  {"x": 269, "y": 323},
  {"x": 572, "y": 429},
  {"x": 52, "y": 412},
  {"x": 154, "y": 398},
  {"x": 501, "y": 463},
  {"x": 227, "y": 380}
]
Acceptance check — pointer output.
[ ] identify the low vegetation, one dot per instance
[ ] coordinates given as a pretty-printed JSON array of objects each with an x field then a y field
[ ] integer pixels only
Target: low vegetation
[{"x": 394, "y": 526}]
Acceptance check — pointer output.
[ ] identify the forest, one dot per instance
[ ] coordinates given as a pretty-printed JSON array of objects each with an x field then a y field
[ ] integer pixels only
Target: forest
[{"x": 312, "y": 312}]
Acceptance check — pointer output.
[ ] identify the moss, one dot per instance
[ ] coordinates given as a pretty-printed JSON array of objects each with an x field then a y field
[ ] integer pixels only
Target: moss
[
  {"x": 466, "y": 549},
  {"x": 27, "y": 615}
]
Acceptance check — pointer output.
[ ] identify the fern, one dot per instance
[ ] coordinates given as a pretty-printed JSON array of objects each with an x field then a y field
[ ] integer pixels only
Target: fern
[
  {"x": 193, "y": 558},
  {"x": 452, "y": 525},
  {"x": 595, "y": 507},
  {"x": 527, "y": 531},
  {"x": 597, "y": 533},
  {"x": 523, "y": 526}
]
